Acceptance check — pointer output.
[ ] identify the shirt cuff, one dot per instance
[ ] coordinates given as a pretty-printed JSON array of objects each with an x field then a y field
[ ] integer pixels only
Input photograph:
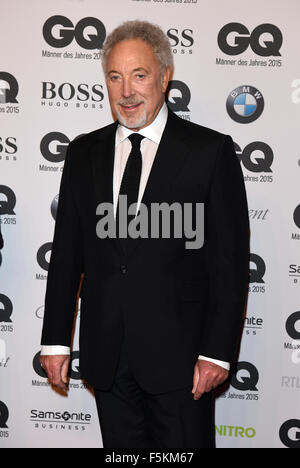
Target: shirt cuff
[
  {"x": 225, "y": 365},
  {"x": 55, "y": 350}
]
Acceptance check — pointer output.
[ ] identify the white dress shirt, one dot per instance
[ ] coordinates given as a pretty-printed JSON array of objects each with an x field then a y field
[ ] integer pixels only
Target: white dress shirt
[{"x": 149, "y": 145}]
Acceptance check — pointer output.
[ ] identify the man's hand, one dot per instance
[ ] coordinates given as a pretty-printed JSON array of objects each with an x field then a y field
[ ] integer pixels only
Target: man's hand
[
  {"x": 56, "y": 368},
  {"x": 207, "y": 376}
]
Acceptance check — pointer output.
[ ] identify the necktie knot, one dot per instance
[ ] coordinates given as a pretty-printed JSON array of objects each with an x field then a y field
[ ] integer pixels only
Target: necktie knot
[{"x": 135, "y": 139}]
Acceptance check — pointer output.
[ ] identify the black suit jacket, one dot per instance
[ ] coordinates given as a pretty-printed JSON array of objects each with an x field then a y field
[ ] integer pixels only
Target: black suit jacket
[{"x": 170, "y": 303}]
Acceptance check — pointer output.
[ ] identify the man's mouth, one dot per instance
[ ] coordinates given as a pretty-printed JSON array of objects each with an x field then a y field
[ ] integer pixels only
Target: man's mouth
[{"x": 131, "y": 107}]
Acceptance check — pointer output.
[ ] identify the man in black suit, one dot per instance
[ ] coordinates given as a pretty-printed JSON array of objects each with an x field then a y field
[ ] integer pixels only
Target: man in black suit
[{"x": 160, "y": 322}]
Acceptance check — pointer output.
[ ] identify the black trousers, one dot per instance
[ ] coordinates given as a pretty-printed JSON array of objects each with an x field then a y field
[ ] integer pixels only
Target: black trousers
[{"x": 132, "y": 418}]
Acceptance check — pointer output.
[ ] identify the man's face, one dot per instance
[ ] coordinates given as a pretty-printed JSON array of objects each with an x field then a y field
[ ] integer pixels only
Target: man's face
[{"x": 135, "y": 85}]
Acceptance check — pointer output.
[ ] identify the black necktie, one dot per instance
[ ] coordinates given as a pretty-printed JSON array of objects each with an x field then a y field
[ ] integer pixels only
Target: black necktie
[{"x": 131, "y": 177}]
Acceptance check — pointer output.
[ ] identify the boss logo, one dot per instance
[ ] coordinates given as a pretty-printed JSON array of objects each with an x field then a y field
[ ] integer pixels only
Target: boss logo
[
  {"x": 182, "y": 38},
  {"x": 242, "y": 39},
  {"x": 67, "y": 92},
  {"x": 8, "y": 145},
  {"x": 89, "y": 33}
]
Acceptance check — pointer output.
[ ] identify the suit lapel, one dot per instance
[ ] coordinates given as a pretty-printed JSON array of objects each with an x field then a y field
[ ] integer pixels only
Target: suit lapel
[
  {"x": 102, "y": 157},
  {"x": 169, "y": 160}
]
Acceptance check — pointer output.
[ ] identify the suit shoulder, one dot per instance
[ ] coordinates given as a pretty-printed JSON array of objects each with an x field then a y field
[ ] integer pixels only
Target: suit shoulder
[
  {"x": 88, "y": 139},
  {"x": 194, "y": 130}
]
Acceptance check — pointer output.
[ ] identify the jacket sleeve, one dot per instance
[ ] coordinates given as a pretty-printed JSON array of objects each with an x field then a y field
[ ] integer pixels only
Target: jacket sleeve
[
  {"x": 227, "y": 251},
  {"x": 65, "y": 265}
]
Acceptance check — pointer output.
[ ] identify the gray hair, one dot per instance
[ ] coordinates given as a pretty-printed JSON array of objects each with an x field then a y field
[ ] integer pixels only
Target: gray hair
[{"x": 148, "y": 32}]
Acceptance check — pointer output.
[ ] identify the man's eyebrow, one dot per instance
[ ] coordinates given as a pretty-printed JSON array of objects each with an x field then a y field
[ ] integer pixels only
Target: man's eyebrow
[{"x": 133, "y": 71}]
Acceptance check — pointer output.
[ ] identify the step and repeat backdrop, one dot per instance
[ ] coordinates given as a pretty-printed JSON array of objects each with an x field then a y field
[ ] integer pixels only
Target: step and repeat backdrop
[{"x": 237, "y": 71}]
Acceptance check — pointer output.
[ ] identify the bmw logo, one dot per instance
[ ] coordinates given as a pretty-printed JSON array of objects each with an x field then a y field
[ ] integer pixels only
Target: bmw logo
[{"x": 245, "y": 104}]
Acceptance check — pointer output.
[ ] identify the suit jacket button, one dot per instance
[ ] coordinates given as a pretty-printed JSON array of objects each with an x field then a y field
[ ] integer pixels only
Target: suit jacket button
[{"x": 123, "y": 269}]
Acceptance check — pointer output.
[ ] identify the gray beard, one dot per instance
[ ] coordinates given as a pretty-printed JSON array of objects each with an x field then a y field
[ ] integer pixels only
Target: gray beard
[{"x": 137, "y": 124}]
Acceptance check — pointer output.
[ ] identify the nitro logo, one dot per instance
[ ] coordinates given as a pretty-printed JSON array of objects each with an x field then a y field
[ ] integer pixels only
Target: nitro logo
[
  {"x": 4, "y": 415},
  {"x": 7, "y": 205},
  {"x": 265, "y": 40},
  {"x": 245, "y": 104},
  {"x": 89, "y": 33},
  {"x": 179, "y": 96},
  {"x": 253, "y": 162},
  {"x": 181, "y": 40},
  {"x": 245, "y": 377},
  {"x": 42, "y": 253},
  {"x": 289, "y": 433},
  {"x": 256, "y": 274},
  {"x": 292, "y": 326},
  {"x": 9, "y": 88},
  {"x": 6, "y": 309}
]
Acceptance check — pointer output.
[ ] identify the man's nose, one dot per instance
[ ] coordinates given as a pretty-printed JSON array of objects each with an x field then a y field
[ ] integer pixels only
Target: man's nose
[{"x": 127, "y": 88}]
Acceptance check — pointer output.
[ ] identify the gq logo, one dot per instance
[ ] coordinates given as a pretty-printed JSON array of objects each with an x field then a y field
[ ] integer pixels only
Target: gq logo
[
  {"x": 178, "y": 103},
  {"x": 296, "y": 216},
  {"x": 255, "y": 164},
  {"x": 245, "y": 104},
  {"x": 41, "y": 255},
  {"x": 73, "y": 372},
  {"x": 54, "y": 146},
  {"x": 9, "y": 88},
  {"x": 245, "y": 383},
  {"x": 4, "y": 414},
  {"x": 242, "y": 39},
  {"x": 290, "y": 325},
  {"x": 289, "y": 433},
  {"x": 8, "y": 205},
  {"x": 6, "y": 309},
  {"x": 59, "y": 31},
  {"x": 257, "y": 274}
]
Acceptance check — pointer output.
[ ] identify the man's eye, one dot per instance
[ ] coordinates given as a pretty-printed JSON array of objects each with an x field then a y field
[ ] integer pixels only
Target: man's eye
[
  {"x": 114, "y": 77},
  {"x": 140, "y": 76}
]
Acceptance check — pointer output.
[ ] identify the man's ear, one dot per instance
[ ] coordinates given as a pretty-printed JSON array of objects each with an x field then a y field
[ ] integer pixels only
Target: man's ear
[{"x": 166, "y": 78}]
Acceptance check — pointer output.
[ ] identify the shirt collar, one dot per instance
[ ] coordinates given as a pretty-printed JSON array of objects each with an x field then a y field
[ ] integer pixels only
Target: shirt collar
[{"x": 153, "y": 131}]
